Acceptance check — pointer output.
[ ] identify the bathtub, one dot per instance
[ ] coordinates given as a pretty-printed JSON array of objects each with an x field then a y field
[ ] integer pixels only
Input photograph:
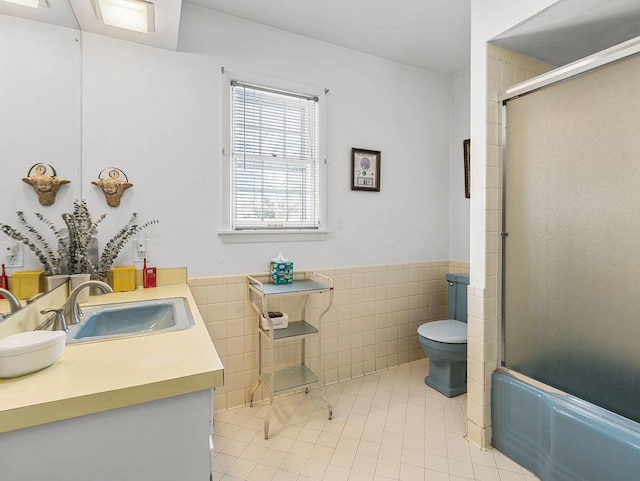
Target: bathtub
[{"x": 560, "y": 437}]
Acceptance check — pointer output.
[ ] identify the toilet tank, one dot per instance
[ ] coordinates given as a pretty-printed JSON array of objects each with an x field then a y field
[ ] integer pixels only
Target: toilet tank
[{"x": 457, "y": 296}]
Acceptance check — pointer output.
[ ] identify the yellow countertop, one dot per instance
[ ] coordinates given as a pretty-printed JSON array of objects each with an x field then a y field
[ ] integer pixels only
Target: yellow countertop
[
  {"x": 99, "y": 376},
  {"x": 4, "y": 306}
]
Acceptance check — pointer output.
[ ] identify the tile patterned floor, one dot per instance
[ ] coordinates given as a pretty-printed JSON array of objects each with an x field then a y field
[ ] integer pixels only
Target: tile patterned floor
[{"x": 387, "y": 426}]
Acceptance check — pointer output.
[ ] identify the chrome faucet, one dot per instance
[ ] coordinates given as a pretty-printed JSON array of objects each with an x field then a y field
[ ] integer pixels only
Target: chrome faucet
[
  {"x": 14, "y": 303},
  {"x": 57, "y": 320},
  {"x": 71, "y": 313}
]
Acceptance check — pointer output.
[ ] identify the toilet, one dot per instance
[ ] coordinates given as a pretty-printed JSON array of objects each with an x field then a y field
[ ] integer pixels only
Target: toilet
[{"x": 445, "y": 342}]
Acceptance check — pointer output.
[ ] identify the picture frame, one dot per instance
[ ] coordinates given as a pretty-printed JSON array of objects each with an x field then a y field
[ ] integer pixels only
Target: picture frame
[
  {"x": 466, "y": 146},
  {"x": 365, "y": 169}
]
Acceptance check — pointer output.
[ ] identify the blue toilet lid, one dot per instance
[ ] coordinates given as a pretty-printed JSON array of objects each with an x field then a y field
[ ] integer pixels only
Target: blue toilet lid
[{"x": 449, "y": 331}]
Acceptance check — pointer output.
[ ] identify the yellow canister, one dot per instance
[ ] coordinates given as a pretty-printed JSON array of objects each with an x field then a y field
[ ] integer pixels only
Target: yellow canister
[
  {"x": 26, "y": 284},
  {"x": 123, "y": 278}
]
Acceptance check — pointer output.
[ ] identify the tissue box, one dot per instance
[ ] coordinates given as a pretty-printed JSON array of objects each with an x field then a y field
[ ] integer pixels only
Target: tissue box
[
  {"x": 278, "y": 322},
  {"x": 281, "y": 272}
]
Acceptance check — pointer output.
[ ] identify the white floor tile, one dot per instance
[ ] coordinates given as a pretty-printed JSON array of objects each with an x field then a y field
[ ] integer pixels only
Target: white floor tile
[
  {"x": 484, "y": 458},
  {"x": 366, "y": 464},
  {"x": 487, "y": 473},
  {"x": 369, "y": 448},
  {"x": 337, "y": 473},
  {"x": 234, "y": 448},
  {"x": 348, "y": 444},
  {"x": 461, "y": 468},
  {"x": 321, "y": 453},
  {"x": 343, "y": 458},
  {"x": 360, "y": 476},
  {"x": 414, "y": 458},
  {"x": 261, "y": 472},
  {"x": 241, "y": 468},
  {"x": 328, "y": 439},
  {"x": 293, "y": 463},
  {"x": 432, "y": 475},
  {"x": 387, "y": 426},
  {"x": 226, "y": 477},
  {"x": 253, "y": 452},
  {"x": 411, "y": 473},
  {"x": 511, "y": 476},
  {"x": 314, "y": 469},
  {"x": 222, "y": 462},
  {"x": 302, "y": 448},
  {"x": 281, "y": 475},
  {"x": 282, "y": 443},
  {"x": 272, "y": 457},
  {"x": 391, "y": 453},
  {"x": 389, "y": 469},
  {"x": 392, "y": 439},
  {"x": 309, "y": 435}
]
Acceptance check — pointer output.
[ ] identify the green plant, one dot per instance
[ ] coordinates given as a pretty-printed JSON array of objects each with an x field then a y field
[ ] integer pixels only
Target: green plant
[{"x": 75, "y": 241}]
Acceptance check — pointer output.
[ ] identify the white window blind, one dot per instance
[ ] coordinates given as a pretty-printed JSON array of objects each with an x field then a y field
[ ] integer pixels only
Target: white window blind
[{"x": 274, "y": 159}]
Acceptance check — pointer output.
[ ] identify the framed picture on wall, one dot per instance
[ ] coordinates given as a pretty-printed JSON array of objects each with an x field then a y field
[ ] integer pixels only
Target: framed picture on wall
[
  {"x": 466, "y": 145},
  {"x": 365, "y": 170}
]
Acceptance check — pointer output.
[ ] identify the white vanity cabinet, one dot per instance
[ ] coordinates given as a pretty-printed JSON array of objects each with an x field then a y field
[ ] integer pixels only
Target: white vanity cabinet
[
  {"x": 297, "y": 377},
  {"x": 163, "y": 440}
]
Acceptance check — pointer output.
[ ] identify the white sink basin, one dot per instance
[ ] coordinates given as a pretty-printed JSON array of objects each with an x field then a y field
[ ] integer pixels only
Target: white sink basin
[{"x": 126, "y": 319}]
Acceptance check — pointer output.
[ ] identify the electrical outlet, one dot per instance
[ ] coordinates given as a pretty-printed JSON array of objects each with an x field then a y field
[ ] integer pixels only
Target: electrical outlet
[
  {"x": 13, "y": 253},
  {"x": 140, "y": 248}
]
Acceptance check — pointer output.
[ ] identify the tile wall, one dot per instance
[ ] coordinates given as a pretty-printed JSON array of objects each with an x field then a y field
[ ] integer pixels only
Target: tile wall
[
  {"x": 370, "y": 327},
  {"x": 504, "y": 69}
]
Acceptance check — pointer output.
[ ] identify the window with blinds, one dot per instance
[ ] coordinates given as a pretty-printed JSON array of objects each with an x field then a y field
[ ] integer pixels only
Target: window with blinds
[{"x": 274, "y": 141}]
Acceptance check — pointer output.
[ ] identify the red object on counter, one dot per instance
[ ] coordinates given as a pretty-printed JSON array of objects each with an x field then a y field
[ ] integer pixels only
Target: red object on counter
[
  {"x": 4, "y": 283},
  {"x": 148, "y": 275}
]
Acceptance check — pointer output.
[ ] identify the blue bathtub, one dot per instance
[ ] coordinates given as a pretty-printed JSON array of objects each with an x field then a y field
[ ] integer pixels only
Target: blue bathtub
[{"x": 560, "y": 437}]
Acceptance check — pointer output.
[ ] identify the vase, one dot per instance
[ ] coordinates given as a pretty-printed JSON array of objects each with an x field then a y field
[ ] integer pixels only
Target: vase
[
  {"x": 55, "y": 281},
  {"x": 76, "y": 280}
]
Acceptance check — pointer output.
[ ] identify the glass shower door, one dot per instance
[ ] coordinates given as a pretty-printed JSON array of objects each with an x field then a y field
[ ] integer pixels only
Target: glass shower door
[{"x": 571, "y": 270}]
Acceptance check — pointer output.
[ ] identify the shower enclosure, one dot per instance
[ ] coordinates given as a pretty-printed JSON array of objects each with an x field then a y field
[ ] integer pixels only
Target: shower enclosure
[{"x": 571, "y": 263}]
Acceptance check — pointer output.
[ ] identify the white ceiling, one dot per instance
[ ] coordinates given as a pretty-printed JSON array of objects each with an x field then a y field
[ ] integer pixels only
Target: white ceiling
[
  {"x": 432, "y": 35},
  {"x": 57, "y": 12},
  {"x": 167, "y": 24},
  {"x": 573, "y": 29}
]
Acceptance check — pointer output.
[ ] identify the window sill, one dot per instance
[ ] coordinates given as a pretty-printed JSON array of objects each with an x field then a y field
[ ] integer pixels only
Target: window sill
[{"x": 252, "y": 236}]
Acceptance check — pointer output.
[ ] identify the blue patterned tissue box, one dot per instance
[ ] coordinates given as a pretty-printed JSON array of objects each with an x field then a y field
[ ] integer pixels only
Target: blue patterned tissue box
[{"x": 281, "y": 272}]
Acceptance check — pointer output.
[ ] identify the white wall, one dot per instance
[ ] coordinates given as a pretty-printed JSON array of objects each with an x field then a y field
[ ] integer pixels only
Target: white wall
[
  {"x": 39, "y": 115},
  {"x": 156, "y": 115},
  {"x": 458, "y": 132}
]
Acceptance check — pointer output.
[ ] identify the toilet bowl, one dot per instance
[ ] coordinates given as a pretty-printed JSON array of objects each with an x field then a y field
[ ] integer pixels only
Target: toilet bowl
[{"x": 445, "y": 342}]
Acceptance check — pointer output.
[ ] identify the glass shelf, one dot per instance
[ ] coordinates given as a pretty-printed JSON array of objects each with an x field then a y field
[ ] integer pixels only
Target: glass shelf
[
  {"x": 299, "y": 286},
  {"x": 290, "y": 378},
  {"x": 294, "y": 329}
]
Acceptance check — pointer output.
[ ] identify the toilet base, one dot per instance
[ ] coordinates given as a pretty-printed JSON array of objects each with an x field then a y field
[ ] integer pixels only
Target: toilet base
[
  {"x": 449, "y": 379},
  {"x": 446, "y": 390}
]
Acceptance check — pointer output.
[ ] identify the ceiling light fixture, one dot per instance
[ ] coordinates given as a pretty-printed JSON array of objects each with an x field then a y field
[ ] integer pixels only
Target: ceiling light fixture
[
  {"x": 29, "y": 3},
  {"x": 136, "y": 15}
]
